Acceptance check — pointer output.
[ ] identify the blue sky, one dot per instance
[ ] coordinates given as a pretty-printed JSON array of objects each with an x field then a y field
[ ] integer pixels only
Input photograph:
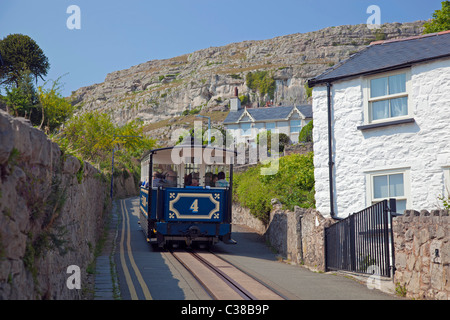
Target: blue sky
[{"x": 115, "y": 35}]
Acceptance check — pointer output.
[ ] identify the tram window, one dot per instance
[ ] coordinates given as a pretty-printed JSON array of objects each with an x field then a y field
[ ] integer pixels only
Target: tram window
[
  {"x": 192, "y": 176},
  {"x": 171, "y": 176},
  {"x": 165, "y": 175},
  {"x": 212, "y": 174}
]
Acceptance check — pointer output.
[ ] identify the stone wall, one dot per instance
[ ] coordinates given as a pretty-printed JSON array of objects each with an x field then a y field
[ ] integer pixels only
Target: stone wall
[
  {"x": 421, "y": 271},
  {"x": 52, "y": 210},
  {"x": 125, "y": 185},
  {"x": 297, "y": 236},
  {"x": 299, "y": 148},
  {"x": 422, "y": 254}
]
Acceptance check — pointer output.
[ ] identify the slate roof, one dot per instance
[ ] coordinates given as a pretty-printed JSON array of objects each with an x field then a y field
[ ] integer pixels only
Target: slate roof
[
  {"x": 268, "y": 114},
  {"x": 381, "y": 56}
]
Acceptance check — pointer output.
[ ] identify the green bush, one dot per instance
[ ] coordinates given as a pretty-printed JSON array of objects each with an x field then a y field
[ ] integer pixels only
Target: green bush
[
  {"x": 250, "y": 192},
  {"x": 263, "y": 82},
  {"x": 293, "y": 185},
  {"x": 283, "y": 139},
  {"x": 306, "y": 135}
]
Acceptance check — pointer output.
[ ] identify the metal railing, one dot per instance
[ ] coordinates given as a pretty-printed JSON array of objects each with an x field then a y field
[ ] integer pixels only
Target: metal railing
[{"x": 362, "y": 242}]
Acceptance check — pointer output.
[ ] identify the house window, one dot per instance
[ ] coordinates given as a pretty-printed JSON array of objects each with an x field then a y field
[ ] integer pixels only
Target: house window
[
  {"x": 260, "y": 126},
  {"x": 296, "y": 126},
  {"x": 447, "y": 182},
  {"x": 270, "y": 126},
  {"x": 390, "y": 185},
  {"x": 246, "y": 129},
  {"x": 388, "y": 97}
]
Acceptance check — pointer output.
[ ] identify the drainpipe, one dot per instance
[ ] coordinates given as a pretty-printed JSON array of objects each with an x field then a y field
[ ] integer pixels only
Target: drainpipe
[{"x": 330, "y": 152}]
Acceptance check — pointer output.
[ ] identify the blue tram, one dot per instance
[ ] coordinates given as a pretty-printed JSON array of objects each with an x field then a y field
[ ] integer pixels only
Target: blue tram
[{"x": 186, "y": 195}]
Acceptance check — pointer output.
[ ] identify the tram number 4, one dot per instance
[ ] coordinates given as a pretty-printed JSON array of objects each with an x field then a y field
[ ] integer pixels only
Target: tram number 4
[{"x": 194, "y": 206}]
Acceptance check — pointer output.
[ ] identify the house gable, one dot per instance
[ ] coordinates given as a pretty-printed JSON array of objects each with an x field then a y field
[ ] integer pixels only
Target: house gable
[
  {"x": 403, "y": 154},
  {"x": 382, "y": 56},
  {"x": 246, "y": 117}
]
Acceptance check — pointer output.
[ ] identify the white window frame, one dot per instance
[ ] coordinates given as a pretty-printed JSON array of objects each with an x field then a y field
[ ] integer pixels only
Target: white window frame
[
  {"x": 270, "y": 123},
  {"x": 246, "y": 132},
  {"x": 299, "y": 126},
  {"x": 368, "y": 100},
  {"x": 370, "y": 198}
]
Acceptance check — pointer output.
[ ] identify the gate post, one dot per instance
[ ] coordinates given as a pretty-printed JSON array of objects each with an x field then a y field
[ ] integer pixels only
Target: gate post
[
  {"x": 392, "y": 213},
  {"x": 351, "y": 230},
  {"x": 325, "y": 249}
]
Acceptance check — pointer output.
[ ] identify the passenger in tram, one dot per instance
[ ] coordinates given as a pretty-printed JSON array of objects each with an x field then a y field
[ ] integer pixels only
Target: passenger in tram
[
  {"x": 188, "y": 180},
  {"x": 208, "y": 179},
  {"x": 214, "y": 180},
  {"x": 171, "y": 179},
  {"x": 158, "y": 179},
  {"x": 195, "y": 180},
  {"x": 221, "y": 182}
]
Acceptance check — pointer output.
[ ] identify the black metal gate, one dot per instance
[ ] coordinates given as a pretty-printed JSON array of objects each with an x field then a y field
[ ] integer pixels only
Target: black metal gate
[{"x": 362, "y": 242}]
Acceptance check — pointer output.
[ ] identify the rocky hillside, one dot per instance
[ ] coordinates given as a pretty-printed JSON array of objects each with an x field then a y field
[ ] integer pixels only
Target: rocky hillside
[{"x": 162, "y": 89}]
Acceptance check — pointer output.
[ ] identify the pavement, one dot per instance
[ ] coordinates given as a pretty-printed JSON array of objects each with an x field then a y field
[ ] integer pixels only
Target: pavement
[
  {"x": 106, "y": 283},
  {"x": 166, "y": 280},
  {"x": 253, "y": 256}
]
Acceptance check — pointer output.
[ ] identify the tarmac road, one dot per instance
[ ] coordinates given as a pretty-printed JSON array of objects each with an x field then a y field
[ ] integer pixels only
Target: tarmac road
[{"x": 145, "y": 273}]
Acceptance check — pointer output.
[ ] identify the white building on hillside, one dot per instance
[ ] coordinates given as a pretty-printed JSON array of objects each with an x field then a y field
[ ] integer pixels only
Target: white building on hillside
[
  {"x": 382, "y": 127},
  {"x": 246, "y": 123}
]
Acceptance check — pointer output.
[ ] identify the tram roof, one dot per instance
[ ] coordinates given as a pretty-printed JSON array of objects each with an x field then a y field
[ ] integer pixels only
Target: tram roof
[{"x": 173, "y": 155}]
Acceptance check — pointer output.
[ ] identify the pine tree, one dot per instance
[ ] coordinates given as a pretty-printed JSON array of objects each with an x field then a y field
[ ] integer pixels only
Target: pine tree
[{"x": 21, "y": 53}]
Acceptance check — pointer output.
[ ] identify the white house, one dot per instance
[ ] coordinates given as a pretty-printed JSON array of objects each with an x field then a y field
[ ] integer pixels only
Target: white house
[
  {"x": 382, "y": 127},
  {"x": 245, "y": 123}
]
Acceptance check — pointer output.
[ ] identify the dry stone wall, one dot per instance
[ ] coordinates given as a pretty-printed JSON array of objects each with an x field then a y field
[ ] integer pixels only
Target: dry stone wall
[
  {"x": 298, "y": 236},
  {"x": 421, "y": 245},
  {"x": 52, "y": 209},
  {"x": 422, "y": 254}
]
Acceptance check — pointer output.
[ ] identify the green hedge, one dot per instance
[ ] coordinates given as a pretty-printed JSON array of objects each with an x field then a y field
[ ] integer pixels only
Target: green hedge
[{"x": 293, "y": 185}]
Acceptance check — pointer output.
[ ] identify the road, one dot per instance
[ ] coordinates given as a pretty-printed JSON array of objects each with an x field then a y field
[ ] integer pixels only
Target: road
[{"x": 146, "y": 273}]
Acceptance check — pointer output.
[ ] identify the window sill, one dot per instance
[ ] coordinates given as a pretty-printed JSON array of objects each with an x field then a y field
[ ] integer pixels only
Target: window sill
[{"x": 385, "y": 124}]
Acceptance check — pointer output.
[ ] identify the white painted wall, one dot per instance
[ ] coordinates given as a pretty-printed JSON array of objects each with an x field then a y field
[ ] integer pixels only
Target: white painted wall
[
  {"x": 281, "y": 126},
  {"x": 422, "y": 147}
]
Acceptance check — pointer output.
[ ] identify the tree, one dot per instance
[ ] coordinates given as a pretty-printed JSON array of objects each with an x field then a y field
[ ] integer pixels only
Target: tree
[
  {"x": 440, "y": 21},
  {"x": 20, "y": 53},
  {"x": 93, "y": 135},
  {"x": 55, "y": 108},
  {"x": 22, "y": 99}
]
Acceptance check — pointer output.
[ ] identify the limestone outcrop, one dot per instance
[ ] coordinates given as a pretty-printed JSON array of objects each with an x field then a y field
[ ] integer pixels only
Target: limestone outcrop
[{"x": 161, "y": 89}]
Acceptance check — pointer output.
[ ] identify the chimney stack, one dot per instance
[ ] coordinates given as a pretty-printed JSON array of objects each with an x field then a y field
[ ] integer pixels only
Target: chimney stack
[{"x": 235, "y": 102}]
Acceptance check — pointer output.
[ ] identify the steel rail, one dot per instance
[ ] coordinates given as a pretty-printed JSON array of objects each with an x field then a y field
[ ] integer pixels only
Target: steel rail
[{"x": 221, "y": 279}]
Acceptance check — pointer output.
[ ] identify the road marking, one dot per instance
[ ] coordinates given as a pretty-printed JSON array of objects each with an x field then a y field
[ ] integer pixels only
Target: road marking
[
  {"x": 123, "y": 262},
  {"x": 141, "y": 281}
]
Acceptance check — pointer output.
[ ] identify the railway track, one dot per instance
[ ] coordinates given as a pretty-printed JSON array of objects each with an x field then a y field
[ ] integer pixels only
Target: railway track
[{"x": 222, "y": 280}]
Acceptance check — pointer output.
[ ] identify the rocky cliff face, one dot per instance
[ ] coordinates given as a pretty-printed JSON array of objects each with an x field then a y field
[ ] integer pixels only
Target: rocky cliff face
[{"x": 161, "y": 89}]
